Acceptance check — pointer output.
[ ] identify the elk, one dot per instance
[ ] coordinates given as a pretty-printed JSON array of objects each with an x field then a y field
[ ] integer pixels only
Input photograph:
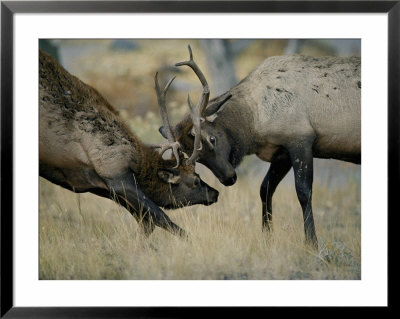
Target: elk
[
  {"x": 287, "y": 111},
  {"x": 84, "y": 146}
]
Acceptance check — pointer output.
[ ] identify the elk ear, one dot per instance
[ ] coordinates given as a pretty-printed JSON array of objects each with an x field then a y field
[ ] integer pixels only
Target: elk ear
[
  {"x": 162, "y": 132},
  {"x": 212, "y": 110},
  {"x": 176, "y": 131},
  {"x": 170, "y": 176}
]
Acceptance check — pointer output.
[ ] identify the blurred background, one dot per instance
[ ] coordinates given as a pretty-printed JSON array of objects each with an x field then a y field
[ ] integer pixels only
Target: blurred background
[{"x": 123, "y": 70}]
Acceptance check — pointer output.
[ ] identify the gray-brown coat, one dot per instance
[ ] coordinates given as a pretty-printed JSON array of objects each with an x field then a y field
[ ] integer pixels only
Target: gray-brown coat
[{"x": 286, "y": 111}]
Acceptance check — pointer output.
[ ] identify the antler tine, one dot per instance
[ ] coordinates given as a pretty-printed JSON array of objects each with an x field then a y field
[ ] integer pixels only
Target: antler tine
[
  {"x": 194, "y": 112},
  {"x": 172, "y": 143},
  {"x": 206, "y": 92}
]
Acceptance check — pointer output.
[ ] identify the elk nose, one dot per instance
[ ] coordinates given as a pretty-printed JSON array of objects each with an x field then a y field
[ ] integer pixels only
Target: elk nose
[
  {"x": 212, "y": 196},
  {"x": 230, "y": 180}
]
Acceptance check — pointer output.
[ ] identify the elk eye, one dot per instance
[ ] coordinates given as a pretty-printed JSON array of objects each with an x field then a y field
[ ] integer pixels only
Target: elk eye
[
  {"x": 212, "y": 140},
  {"x": 196, "y": 182}
]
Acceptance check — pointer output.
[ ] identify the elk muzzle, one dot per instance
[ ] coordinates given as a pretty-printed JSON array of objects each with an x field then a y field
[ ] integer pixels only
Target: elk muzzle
[
  {"x": 221, "y": 168},
  {"x": 211, "y": 195},
  {"x": 229, "y": 180}
]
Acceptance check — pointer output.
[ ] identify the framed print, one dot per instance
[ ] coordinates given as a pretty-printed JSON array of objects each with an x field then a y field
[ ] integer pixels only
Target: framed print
[{"x": 144, "y": 185}]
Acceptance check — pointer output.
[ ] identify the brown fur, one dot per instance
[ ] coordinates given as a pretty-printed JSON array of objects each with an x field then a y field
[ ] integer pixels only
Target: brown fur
[{"x": 85, "y": 146}]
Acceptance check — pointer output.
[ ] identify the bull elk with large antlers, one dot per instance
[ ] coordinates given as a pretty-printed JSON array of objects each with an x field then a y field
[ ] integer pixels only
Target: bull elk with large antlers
[
  {"x": 287, "y": 111},
  {"x": 85, "y": 147}
]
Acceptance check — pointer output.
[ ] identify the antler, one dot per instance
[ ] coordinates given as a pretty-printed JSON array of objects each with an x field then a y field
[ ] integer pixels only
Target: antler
[
  {"x": 196, "y": 112},
  {"x": 172, "y": 143},
  {"x": 197, "y": 146},
  {"x": 206, "y": 92}
]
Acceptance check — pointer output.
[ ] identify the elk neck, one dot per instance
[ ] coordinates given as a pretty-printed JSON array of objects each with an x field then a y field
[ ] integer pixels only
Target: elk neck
[
  {"x": 236, "y": 121},
  {"x": 146, "y": 171}
]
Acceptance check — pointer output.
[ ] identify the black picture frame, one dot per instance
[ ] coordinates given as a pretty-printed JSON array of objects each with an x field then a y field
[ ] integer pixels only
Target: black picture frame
[{"x": 9, "y": 8}]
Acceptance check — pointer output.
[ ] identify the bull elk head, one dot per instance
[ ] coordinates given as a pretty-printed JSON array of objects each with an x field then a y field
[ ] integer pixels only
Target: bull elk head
[
  {"x": 197, "y": 129},
  {"x": 199, "y": 113}
]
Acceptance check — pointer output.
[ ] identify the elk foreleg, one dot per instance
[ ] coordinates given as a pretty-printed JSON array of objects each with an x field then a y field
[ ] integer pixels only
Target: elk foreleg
[
  {"x": 280, "y": 165},
  {"x": 142, "y": 207},
  {"x": 302, "y": 161},
  {"x": 144, "y": 221}
]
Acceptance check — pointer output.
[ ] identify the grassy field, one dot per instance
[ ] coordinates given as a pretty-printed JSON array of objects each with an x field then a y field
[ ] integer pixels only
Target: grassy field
[
  {"x": 86, "y": 237},
  {"x": 83, "y": 236}
]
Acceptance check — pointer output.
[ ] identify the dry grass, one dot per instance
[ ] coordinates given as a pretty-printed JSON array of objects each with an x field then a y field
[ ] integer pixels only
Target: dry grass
[{"x": 87, "y": 237}]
